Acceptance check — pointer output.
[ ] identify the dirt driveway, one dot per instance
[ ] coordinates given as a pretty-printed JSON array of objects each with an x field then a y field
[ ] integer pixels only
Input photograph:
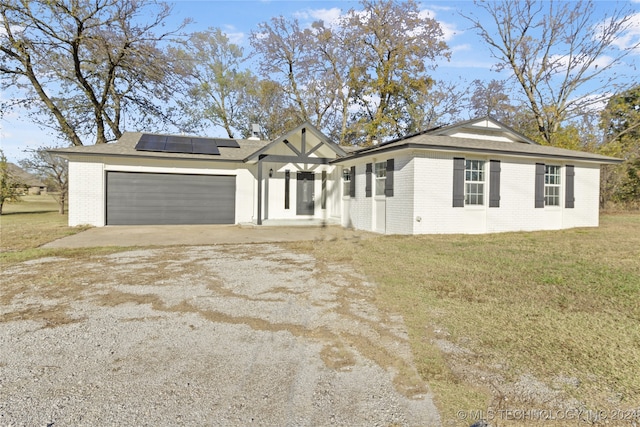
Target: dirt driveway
[{"x": 231, "y": 335}]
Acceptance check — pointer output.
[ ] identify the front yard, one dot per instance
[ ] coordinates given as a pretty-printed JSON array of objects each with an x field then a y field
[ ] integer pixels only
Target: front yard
[
  {"x": 506, "y": 323},
  {"x": 503, "y": 326}
]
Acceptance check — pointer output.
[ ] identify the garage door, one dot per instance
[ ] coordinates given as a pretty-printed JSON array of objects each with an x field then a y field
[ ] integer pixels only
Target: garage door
[{"x": 154, "y": 198}]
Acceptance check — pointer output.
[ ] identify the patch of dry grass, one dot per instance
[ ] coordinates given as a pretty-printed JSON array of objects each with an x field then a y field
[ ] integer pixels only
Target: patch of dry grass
[
  {"x": 486, "y": 313},
  {"x": 31, "y": 223}
]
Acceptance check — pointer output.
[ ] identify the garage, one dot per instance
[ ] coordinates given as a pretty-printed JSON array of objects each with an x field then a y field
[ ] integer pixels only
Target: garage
[{"x": 134, "y": 198}]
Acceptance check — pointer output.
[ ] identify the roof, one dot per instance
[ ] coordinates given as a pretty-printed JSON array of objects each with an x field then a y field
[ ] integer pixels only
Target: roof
[
  {"x": 493, "y": 137},
  {"x": 23, "y": 177},
  {"x": 125, "y": 146},
  {"x": 471, "y": 145}
]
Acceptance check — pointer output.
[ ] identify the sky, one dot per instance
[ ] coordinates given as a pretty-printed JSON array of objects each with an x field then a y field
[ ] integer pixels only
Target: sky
[{"x": 470, "y": 57}]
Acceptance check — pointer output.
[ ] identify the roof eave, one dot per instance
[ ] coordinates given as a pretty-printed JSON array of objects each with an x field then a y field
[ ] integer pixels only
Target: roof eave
[{"x": 410, "y": 145}]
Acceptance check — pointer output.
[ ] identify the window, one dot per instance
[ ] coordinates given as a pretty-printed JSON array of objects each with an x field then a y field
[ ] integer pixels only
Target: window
[
  {"x": 551, "y": 185},
  {"x": 346, "y": 182},
  {"x": 474, "y": 182},
  {"x": 381, "y": 177}
]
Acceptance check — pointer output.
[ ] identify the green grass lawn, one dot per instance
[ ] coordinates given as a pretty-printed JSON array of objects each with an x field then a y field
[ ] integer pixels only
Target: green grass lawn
[{"x": 509, "y": 320}]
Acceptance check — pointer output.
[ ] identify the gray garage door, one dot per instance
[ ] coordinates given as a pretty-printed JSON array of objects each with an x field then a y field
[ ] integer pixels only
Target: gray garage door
[{"x": 155, "y": 198}]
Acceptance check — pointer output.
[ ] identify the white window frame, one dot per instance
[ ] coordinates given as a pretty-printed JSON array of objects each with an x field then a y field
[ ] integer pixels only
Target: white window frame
[
  {"x": 346, "y": 182},
  {"x": 552, "y": 185},
  {"x": 380, "y": 170},
  {"x": 475, "y": 180}
]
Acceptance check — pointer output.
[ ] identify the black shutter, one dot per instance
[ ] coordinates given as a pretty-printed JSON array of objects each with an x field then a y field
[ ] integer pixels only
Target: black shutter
[
  {"x": 569, "y": 197},
  {"x": 323, "y": 197},
  {"x": 494, "y": 183},
  {"x": 458, "y": 182},
  {"x": 352, "y": 184},
  {"x": 539, "y": 185},
  {"x": 388, "y": 183},
  {"x": 287, "y": 177},
  {"x": 367, "y": 188}
]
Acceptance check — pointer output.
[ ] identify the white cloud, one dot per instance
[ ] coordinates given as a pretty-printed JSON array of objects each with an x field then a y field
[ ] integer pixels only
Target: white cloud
[
  {"x": 235, "y": 36},
  {"x": 461, "y": 48},
  {"x": 631, "y": 37},
  {"x": 328, "y": 16},
  {"x": 449, "y": 30}
]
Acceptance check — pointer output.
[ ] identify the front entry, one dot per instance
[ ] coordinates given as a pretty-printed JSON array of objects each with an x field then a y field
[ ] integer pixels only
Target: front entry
[{"x": 305, "y": 204}]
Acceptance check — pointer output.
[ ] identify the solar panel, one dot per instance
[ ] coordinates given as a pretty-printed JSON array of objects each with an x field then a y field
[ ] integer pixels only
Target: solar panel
[
  {"x": 183, "y": 144},
  {"x": 204, "y": 146},
  {"x": 151, "y": 142},
  {"x": 178, "y": 144},
  {"x": 232, "y": 143}
]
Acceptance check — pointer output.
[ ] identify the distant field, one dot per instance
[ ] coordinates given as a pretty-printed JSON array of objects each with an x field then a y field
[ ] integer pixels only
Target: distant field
[{"x": 517, "y": 321}]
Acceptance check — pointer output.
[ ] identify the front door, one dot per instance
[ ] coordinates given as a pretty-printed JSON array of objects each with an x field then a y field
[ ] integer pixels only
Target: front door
[{"x": 305, "y": 204}]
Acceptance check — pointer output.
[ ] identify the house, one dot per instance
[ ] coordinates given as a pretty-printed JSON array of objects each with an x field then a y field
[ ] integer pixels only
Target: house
[
  {"x": 478, "y": 176},
  {"x": 29, "y": 182}
]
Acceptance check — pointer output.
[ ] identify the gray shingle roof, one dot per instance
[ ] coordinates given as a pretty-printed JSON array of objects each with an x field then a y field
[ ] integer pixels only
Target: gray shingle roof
[
  {"x": 125, "y": 146},
  {"x": 469, "y": 145}
]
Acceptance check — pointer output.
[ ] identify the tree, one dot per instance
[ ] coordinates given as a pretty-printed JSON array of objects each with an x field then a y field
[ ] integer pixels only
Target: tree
[
  {"x": 53, "y": 170},
  {"x": 264, "y": 107},
  {"x": 395, "y": 46},
  {"x": 620, "y": 122},
  {"x": 554, "y": 49},
  {"x": 9, "y": 186},
  {"x": 492, "y": 99},
  {"x": 83, "y": 63},
  {"x": 216, "y": 87}
]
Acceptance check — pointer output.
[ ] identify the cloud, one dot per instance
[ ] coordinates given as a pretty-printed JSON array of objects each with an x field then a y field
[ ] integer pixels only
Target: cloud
[
  {"x": 461, "y": 48},
  {"x": 328, "y": 16},
  {"x": 449, "y": 30},
  {"x": 235, "y": 36},
  {"x": 631, "y": 37}
]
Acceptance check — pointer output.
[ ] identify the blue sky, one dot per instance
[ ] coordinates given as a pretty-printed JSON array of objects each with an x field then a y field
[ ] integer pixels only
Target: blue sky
[{"x": 470, "y": 59}]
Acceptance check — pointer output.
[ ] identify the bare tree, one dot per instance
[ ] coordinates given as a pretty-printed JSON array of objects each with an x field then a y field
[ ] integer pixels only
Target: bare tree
[
  {"x": 83, "y": 63},
  {"x": 554, "y": 48}
]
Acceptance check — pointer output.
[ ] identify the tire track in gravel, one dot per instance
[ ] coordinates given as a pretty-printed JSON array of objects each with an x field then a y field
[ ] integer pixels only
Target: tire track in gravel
[{"x": 327, "y": 309}]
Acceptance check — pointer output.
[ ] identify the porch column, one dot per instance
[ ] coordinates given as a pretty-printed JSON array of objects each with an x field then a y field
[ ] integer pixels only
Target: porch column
[{"x": 259, "y": 222}]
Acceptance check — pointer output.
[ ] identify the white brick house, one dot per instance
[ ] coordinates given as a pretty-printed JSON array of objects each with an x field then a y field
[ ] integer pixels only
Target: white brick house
[{"x": 474, "y": 177}]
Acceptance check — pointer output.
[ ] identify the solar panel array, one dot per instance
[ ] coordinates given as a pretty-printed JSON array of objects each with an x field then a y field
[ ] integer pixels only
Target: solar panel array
[{"x": 183, "y": 144}]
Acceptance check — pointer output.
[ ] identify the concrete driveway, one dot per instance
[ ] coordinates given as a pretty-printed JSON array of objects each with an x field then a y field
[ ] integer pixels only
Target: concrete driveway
[
  {"x": 226, "y": 335},
  {"x": 168, "y": 235}
]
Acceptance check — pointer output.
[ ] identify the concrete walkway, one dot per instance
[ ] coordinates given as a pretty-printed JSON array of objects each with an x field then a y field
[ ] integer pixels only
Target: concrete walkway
[{"x": 170, "y": 235}]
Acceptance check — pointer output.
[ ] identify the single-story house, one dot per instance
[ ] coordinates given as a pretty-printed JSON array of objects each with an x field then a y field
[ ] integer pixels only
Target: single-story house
[
  {"x": 29, "y": 182},
  {"x": 478, "y": 176}
]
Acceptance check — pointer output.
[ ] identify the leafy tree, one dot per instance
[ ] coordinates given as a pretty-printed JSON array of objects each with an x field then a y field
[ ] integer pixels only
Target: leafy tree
[
  {"x": 263, "y": 106},
  {"x": 84, "y": 63},
  {"x": 359, "y": 78},
  {"x": 395, "y": 46},
  {"x": 9, "y": 187},
  {"x": 492, "y": 99},
  {"x": 216, "y": 86},
  {"x": 620, "y": 121},
  {"x": 284, "y": 56},
  {"x": 554, "y": 49},
  {"x": 53, "y": 170}
]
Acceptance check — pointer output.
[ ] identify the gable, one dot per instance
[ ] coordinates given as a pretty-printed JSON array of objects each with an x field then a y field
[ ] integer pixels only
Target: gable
[
  {"x": 302, "y": 144},
  {"x": 485, "y": 128}
]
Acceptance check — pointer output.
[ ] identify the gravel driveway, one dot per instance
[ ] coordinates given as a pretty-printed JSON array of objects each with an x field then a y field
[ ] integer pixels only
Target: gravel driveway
[{"x": 205, "y": 335}]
